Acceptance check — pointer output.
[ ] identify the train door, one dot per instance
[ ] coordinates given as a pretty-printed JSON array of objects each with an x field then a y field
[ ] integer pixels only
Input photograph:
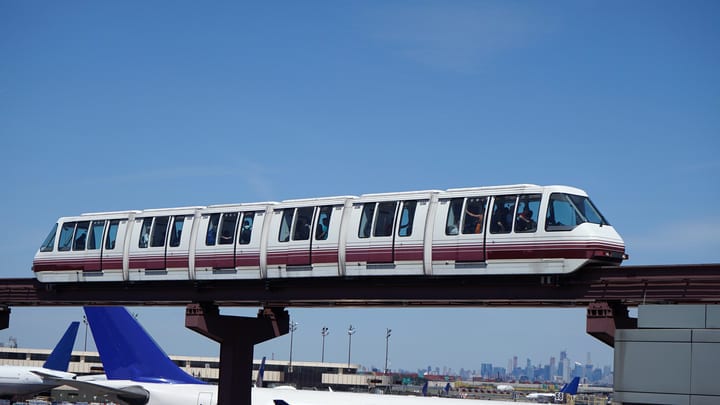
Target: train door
[
  {"x": 325, "y": 236},
  {"x": 408, "y": 244},
  {"x": 501, "y": 242},
  {"x": 215, "y": 249},
  {"x": 293, "y": 247},
  {"x": 247, "y": 249},
  {"x": 460, "y": 238},
  {"x": 178, "y": 242},
  {"x": 374, "y": 241},
  {"x": 112, "y": 245},
  {"x": 151, "y": 250}
]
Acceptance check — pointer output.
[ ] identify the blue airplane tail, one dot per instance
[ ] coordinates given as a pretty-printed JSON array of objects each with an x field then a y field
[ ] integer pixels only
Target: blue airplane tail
[
  {"x": 59, "y": 359},
  {"x": 128, "y": 352},
  {"x": 571, "y": 387}
]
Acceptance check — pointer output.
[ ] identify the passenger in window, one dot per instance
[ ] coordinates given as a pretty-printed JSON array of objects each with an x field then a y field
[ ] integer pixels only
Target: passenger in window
[
  {"x": 499, "y": 219},
  {"x": 303, "y": 229},
  {"x": 525, "y": 221},
  {"x": 245, "y": 232},
  {"x": 322, "y": 229},
  {"x": 474, "y": 223}
]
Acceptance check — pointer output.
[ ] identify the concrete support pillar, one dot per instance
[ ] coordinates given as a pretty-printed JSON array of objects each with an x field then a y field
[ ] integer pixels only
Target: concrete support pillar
[
  {"x": 604, "y": 318},
  {"x": 237, "y": 337}
]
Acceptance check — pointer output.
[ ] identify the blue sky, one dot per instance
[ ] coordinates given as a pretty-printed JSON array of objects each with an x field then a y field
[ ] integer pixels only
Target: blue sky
[{"x": 113, "y": 106}]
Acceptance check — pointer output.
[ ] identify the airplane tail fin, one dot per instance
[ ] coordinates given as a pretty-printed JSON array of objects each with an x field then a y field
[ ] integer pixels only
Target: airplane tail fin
[
  {"x": 128, "y": 352},
  {"x": 261, "y": 374},
  {"x": 59, "y": 359},
  {"x": 572, "y": 387}
]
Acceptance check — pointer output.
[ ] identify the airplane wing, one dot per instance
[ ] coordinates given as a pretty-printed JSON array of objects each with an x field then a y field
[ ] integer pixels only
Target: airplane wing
[{"x": 129, "y": 394}]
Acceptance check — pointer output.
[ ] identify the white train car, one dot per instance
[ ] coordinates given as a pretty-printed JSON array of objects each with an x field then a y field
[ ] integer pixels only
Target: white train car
[{"x": 517, "y": 229}]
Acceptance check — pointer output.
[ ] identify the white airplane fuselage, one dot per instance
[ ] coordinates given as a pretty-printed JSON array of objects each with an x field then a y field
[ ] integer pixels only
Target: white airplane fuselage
[
  {"x": 196, "y": 394},
  {"x": 21, "y": 381}
]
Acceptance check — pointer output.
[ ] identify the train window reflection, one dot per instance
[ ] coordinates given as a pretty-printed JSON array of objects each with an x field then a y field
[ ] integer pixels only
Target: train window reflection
[
  {"x": 80, "y": 239},
  {"x": 452, "y": 227},
  {"x": 47, "y": 245},
  {"x": 95, "y": 235},
  {"x": 145, "y": 233},
  {"x": 246, "y": 228},
  {"x": 385, "y": 218},
  {"x": 285, "y": 224},
  {"x": 176, "y": 232},
  {"x": 321, "y": 230},
  {"x": 302, "y": 223},
  {"x": 112, "y": 234},
  {"x": 407, "y": 218},
  {"x": 366, "y": 220},
  {"x": 159, "y": 231},
  {"x": 212, "y": 230},
  {"x": 227, "y": 228},
  {"x": 66, "y": 236}
]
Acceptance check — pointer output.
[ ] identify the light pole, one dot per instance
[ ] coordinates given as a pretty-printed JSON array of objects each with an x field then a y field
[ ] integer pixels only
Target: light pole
[
  {"x": 85, "y": 321},
  {"x": 351, "y": 331},
  {"x": 293, "y": 327},
  {"x": 324, "y": 332},
  {"x": 387, "y": 342}
]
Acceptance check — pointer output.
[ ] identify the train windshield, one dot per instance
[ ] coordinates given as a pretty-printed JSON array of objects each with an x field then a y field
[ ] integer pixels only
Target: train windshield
[
  {"x": 566, "y": 211},
  {"x": 49, "y": 242}
]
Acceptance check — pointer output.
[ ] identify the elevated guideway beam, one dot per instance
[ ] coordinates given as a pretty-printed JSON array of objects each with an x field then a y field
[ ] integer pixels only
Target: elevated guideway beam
[{"x": 629, "y": 285}]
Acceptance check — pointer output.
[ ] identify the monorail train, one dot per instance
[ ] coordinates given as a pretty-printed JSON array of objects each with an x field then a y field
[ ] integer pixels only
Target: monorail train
[{"x": 516, "y": 229}]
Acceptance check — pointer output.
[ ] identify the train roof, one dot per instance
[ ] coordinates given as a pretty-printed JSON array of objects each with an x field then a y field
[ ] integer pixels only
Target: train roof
[
  {"x": 399, "y": 195},
  {"x": 338, "y": 199}
]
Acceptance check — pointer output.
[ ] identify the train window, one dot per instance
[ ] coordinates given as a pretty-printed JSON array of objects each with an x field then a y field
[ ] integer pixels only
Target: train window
[
  {"x": 112, "y": 234},
  {"x": 227, "y": 228},
  {"x": 246, "y": 229},
  {"x": 176, "y": 230},
  {"x": 566, "y": 211},
  {"x": 385, "y": 218},
  {"x": 212, "y": 230},
  {"x": 527, "y": 216},
  {"x": 452, "y": 227},
  {"x": 145, "y": 233},
  {"x": 366, "y": 220},
  {"x": 80, "y": 238},
  {"x": 474, "y": 215},
  {"x": 47, "y": 245},
  {"x": 95, "y": 235},
  {"x": 502, "y": 215},
  {"x": 303, "y": 222},
  {"x": 586, "y": 210},
  {"x": 321, "y": 230},
  {"x": 285, "y": 225},
  {"x": 66, "y": 236},
  {"x": 159, "y": 231},
  {"x": 407, "y": 218}
]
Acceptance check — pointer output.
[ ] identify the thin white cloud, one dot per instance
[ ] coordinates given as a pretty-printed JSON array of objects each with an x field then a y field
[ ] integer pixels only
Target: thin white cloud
[{"x": 453, "y": 36}]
